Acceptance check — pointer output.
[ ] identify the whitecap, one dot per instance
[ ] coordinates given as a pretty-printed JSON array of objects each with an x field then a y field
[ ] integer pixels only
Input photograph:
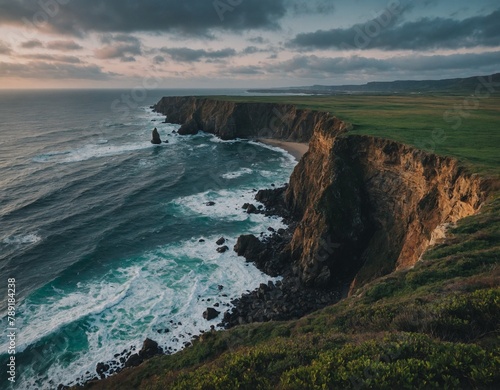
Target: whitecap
[
  {"x": 236, "y": 174},
  {"x": 31, "y": 238}
]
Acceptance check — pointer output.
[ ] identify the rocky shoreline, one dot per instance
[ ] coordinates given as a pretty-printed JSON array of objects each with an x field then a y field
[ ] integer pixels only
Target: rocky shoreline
[
  {"x": 288, "y": 298},
  {"x": 284, "y": 300}
]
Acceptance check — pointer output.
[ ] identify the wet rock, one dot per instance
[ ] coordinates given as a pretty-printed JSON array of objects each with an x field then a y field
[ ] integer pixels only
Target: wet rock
[
  {"x": 249, "y": 246},
  {"x": 251, "y": 209},
  {"x": 201, "y": 240},
  {"x": 223, "y": 249},
  {"x": 166, "y": 141},
  {"x": 210, "y": 314},
  {"x": 270, "y": 229},
  {"x": 102, "y": 369},
  {"x": 156, "y": 140},
  {"x": 245, "y": 206},
  {"x": 210, "y": 204},
  {"x": 134, "y": 360},
  {"x": 149, "y": 349},
  {"x": 221, "y": 241},
  {"x": 188, "y": 128}
]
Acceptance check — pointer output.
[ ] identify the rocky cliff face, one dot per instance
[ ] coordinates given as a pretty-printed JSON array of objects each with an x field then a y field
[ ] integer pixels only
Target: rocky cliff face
[
  {"x": 229, "y": 120},
  {"x": 376, "y": 206},
  {"x": 365, "y": 206}
]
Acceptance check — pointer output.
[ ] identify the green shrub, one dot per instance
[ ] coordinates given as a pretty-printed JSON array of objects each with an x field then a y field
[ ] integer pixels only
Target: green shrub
[{"x": 410, "y": 361}]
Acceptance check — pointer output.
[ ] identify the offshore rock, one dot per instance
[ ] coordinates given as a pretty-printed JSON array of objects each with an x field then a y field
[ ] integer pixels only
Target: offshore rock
[
  {"x": 223, "y": 249},
  {"x": 156, "y": 140}
]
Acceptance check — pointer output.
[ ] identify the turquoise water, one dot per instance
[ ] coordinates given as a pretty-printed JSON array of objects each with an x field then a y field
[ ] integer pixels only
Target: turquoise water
[{"x": 101, "y": 229}]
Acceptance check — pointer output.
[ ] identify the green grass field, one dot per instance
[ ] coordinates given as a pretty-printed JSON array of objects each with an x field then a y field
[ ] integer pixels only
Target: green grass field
[{"x": 466, "y": 128}]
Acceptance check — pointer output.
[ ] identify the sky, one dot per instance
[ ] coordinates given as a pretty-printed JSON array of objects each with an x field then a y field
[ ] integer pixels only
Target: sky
[{"x": 243, "y": 43}]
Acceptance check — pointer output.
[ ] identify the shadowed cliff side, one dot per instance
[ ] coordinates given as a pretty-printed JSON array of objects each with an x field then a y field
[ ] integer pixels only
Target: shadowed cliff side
[
  {"x": 365, "y": 206},
  {"x": 376, "y": 206}
]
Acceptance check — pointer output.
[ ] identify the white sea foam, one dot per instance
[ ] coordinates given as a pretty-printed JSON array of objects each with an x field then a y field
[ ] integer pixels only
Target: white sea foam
[
  {"x": 168, "y": 291},
  {"x": 31, "y": 238},
  {"x": 228, "y": 206},
  {"x": 236, "y": 174},
  {"x": 289, "y": 159}
]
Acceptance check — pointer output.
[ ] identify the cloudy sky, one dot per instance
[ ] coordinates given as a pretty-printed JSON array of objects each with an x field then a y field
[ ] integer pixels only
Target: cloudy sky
[{"x": 243, "y": 43}]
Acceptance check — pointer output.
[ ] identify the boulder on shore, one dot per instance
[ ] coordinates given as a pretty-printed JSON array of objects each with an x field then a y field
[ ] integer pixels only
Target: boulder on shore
[
  {"x": 210, "y": 314},
  {"x": 149, "y": 349},
  {"x": 156, "y": 137},
  {"x": 249, "y": 246}
]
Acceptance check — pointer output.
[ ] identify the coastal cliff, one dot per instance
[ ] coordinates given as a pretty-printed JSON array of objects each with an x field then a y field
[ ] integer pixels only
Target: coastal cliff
[
  {"x": 364, "y": 206},
  {"x": 229, "y": 120}
]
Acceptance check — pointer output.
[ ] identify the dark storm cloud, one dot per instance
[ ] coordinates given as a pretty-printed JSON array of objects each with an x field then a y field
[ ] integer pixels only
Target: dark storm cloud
[
  {"x": 192, "y": 17},
  {"x": 121, "y": 46},
  {"x": 64, "y": 45},
  {"x": 318, "y": 67},
  {"x": 424, "y": 34},
  {"x": 4, "y": 48},
  {"x": 44, "y": 70},
  {"x": 32, "y": 44},
  {"x": 185, "y": 54}
]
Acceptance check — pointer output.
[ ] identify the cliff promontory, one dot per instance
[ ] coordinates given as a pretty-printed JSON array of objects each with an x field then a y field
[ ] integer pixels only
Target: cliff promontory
[{"x": 364, "y": 206}]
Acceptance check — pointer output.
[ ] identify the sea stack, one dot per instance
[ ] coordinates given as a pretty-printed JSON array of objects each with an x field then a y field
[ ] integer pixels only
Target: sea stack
[{"x": 156, "y": 137}]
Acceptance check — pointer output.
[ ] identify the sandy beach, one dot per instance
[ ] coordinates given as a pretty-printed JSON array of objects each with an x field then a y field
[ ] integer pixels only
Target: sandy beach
[{"x": 296, "y": 149}]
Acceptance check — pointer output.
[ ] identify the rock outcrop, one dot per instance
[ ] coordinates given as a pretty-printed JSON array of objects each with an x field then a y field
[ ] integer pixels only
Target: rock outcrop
[
  {"x": 229, "y": 120},
  {"x": 376, "y": 206},
  {"x": 156, "y": 140},
  {"x": 364, "y": 206}
]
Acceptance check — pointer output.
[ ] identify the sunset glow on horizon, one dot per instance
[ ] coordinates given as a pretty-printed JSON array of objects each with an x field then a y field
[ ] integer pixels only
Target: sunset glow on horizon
[{"x": 243, "y": 43}]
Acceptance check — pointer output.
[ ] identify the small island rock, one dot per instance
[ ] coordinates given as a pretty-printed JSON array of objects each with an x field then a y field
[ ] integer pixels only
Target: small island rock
[{"x": 156, "y": 137}]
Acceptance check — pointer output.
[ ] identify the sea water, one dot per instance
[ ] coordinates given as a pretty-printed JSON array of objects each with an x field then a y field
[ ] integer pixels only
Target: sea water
[{"x": 110, "y": 239}]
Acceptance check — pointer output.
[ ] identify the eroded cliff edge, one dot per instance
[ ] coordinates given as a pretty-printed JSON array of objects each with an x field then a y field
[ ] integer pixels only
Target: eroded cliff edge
[{"x": 364, "y": 206}]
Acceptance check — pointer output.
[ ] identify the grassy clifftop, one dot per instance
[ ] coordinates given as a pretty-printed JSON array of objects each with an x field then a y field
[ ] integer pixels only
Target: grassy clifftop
[
  {"x": 436, "y": 325},
  {"x": 464, "y": 127}
]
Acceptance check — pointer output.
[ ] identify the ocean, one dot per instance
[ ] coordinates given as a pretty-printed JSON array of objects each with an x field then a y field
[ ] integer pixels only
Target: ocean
[{"x": 109, "y": 238}]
